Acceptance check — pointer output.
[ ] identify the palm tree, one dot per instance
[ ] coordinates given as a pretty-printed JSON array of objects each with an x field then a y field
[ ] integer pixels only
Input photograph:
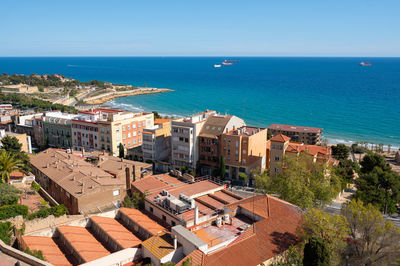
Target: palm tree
[{"x": 8, "y": 164}]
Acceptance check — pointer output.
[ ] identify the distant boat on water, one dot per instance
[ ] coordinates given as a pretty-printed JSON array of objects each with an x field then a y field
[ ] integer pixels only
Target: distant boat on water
[
  {"x": 227, "y": 63},
  {"x": 217, "y": 65},
  {"x": 365, "y": 64}
]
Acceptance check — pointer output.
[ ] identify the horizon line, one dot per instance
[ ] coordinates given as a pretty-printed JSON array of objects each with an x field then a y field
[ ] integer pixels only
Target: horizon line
[{"x": 222, "y": 56}]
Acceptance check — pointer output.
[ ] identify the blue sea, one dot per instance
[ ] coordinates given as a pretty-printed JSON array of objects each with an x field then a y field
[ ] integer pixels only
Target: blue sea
[{"x": 352, "y": 103}]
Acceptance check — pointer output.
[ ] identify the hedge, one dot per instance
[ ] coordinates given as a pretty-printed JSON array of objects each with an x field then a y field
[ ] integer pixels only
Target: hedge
[
  {"x": 9, "y": 211},
  {"x": 43, "y": 213}
]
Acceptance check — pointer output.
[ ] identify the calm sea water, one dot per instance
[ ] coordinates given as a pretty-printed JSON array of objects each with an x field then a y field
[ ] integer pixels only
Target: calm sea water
[{"x": 350, "y": 102}]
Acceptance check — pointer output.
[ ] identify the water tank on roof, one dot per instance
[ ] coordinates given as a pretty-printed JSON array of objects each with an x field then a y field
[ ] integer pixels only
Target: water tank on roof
[
  {"x": 226, "y": 218},
  {"x": 219, "y": 221}
]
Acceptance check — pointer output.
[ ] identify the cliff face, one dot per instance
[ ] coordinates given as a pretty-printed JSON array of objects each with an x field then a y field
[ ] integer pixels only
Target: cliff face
[{"x": 99, "y": 99}]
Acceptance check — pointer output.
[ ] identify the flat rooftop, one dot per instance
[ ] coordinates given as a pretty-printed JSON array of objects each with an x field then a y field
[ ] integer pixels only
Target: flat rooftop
[
  {"x": 213, "y": 235},
  {"x": 245, "y": 131},
  {"x": 295, "y": 128}
]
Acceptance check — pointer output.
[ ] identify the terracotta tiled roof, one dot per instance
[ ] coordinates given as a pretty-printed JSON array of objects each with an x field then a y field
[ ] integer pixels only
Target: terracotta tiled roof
[
  {"x": 161, "y": 121},
  {"x": 159, "y": 245},
  {"x": 142, "y": 220},
  {"x": 280, "y": 138},
  {"x": 49, "y": 248},
  {"x": 211, "y": 202},
  {"x": 269, "y": 237},
  {"x": 116, "y": 231},
  {"x": 83, "y": 242},
  {"x": 224, "y": 196},
  {"x": 156, "y": 183}
]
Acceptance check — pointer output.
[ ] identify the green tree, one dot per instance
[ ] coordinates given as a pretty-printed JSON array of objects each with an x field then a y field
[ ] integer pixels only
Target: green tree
[
  {"x": 8, "y": 164},
  {"x": 12, "y": 145},
  {"x": 372, "y": 160},
  {"x": 333, "y": 229},
  {"x": 222, "y": 169},
  {"x": 121, "y": 150},
  {"x": 156, "y": 115},
  {"x": 243, "y": 177},
  {"x": 303, "y": 183},
  {"x": 9, "y": 194},
  {"x": 340, "y": 151},
  {"x": 372, "y": 239},
  {"x": 378, "y": 184},
  {"x": 316, "y": 252}
]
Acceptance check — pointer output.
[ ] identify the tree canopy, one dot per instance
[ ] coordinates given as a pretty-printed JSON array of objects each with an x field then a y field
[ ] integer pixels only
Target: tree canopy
[
  {"x": 303, "y": 183},
  {"x": 316, "y": 252},
  {"x": 378, "y": 184},
  {"x": 8, "y": 164},
  {"x": 12, "y": 146},
  {"x": 340, "y": 151},
  {"x": 372, "y": 239}
]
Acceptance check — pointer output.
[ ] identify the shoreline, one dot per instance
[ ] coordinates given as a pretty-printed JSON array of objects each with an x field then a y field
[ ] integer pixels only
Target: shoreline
[
  {"x": 331, "y": 139},
  {"x": 103, "y": 98}
]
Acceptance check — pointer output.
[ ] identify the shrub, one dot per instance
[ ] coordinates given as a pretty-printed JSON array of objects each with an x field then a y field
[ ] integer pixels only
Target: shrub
[
  {"x": 36, "y": 253},
  {"x": 9, "y": 194},
  {"x": 35, "y": 186},
  {"x": 45, "y": 212},
  {"x": 10, "y": 211},
  {"x": 6, "y": 232}
]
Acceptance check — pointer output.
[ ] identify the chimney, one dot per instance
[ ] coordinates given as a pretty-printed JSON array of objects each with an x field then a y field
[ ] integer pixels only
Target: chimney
[
  {"x": 128, "y": 178},
  {"x": 141, "y": 172},
  {"x": 134, "y": 173},
  {"x": 175, "y": 242},
  {"x": 196, "y": 214}
]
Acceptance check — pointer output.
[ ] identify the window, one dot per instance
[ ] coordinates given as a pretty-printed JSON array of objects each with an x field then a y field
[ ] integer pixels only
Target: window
[
  {"x": 244, "y": 160},
  {"x": 117, "y": 130},
  {"x": 123, "y": 136},
  {"x": 151, "y": 209},
  {"x": 164, "y": 218},
  {"x": 237, "y": 152},
  {"x": 129, "y": 143},
  {"x": 140, "y": 140},
  {"x": 276, "y": 158},
  {"x": 129, "y": 127},
  {"x": 134, "y": 141},
  {"x": 276, "y": 170},
  {"x": 123, "y": 128},
  {"x": 116, "y": 192},
  {"x": 173, "y": 223},
  {"x": 134, "y": 133},
  {"x": 134, "y": 125},
  {"x": 244, "y": 151},
  {"x": 129, "y": 135}
]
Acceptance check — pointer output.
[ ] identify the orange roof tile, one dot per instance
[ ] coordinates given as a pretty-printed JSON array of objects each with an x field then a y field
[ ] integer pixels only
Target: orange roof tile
[
  {"x": 116, "y": 231},
  {"x": 161, "y": 120},
  {"x": 280, "y": 138},
  {"x": 49, "y": 248},
  {"x": 159, "y": 245},
  {"x": 142, "y": 220},
  {"x": 83, "y": 242}
]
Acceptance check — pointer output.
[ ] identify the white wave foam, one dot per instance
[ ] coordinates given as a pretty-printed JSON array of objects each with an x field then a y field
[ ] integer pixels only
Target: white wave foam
[{"x": 350, "y": 142}]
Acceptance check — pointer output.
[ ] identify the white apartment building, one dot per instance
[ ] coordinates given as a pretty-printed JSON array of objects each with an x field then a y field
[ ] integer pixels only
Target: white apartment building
[{"x": 184, "y": 132}]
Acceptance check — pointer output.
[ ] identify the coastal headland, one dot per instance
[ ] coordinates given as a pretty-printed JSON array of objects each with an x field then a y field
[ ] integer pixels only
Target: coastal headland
[
  {"x": 100, "y": 99},
  {"x": 59, "y": 89}
]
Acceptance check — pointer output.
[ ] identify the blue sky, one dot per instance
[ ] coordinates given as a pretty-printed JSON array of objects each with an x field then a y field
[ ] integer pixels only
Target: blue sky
[{"x": 200, "y": 28}]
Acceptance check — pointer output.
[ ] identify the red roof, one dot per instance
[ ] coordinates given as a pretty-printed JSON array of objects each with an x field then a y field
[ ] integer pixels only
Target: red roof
[
  {"x": 280, "y": 138},
  {"x": 266, "y": 239}
]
